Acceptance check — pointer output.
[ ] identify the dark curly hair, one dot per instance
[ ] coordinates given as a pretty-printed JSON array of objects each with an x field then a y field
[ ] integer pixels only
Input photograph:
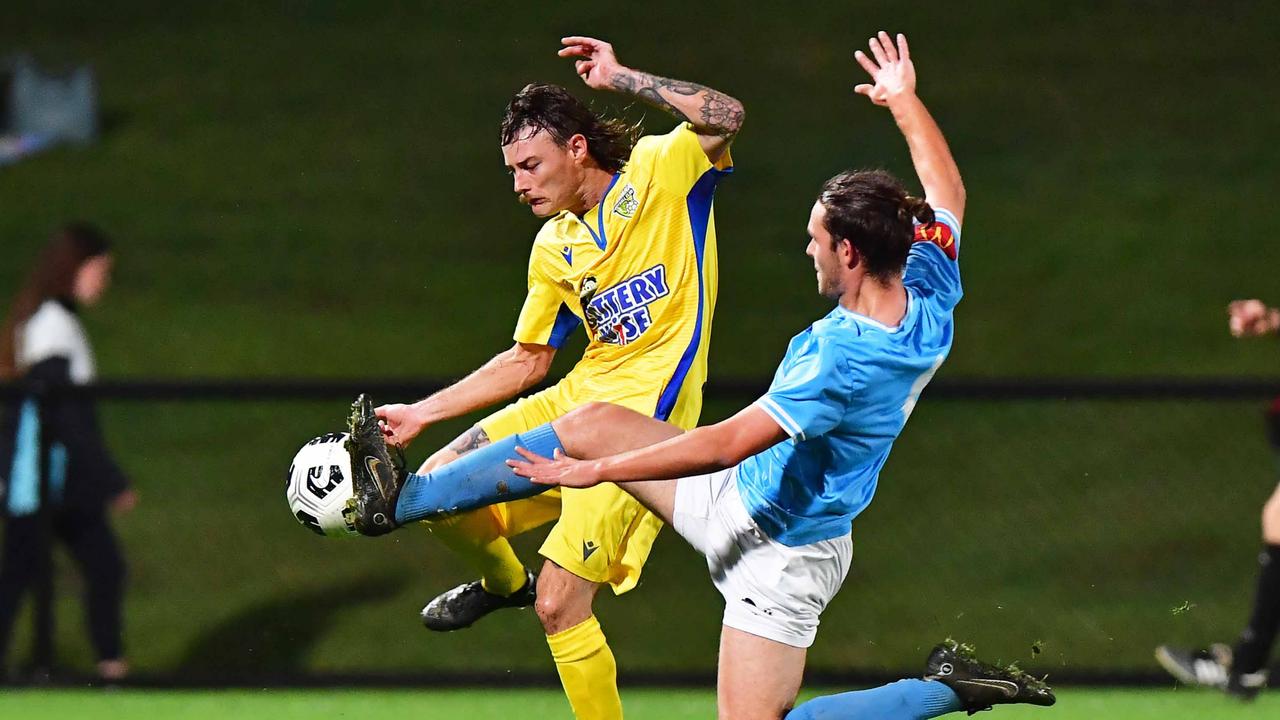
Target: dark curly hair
[
  {"x": 542, "y": 106},
  {"x": 872, "y": 210}
]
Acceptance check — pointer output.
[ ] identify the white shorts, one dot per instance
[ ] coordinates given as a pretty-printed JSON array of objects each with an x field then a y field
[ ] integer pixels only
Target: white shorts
[{"x": 771, "y": 590}]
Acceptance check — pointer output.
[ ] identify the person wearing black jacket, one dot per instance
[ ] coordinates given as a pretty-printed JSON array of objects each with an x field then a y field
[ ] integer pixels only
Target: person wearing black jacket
[{"x": 51, "y": 433}]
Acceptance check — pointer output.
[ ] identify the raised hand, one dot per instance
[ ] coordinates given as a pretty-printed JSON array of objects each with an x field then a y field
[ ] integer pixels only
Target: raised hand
[
  {"x": 1250, "y": 318},
  {"x": 561, "y": 470},
  {"x": 596, "y": 64},
  {"x": 892, "y": 73}
]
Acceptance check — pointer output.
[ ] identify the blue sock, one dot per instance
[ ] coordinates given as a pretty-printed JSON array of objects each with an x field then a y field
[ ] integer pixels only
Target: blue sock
[
  {"x": 903, "y": 700},
  {"x": 479, "y": 478}
]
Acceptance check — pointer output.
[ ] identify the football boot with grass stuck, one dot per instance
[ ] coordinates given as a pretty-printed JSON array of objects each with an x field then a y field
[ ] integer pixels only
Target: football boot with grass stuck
[
  {"x": 980, "y": 685},
  {"x": 377, "y": 473}
]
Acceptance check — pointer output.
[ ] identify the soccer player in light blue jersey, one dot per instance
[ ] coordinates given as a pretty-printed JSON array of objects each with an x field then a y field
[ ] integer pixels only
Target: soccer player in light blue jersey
[{"x": 769, "y": 495}]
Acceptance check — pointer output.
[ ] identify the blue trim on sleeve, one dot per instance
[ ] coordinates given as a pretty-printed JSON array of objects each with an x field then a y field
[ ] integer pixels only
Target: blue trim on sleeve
[
  {"x": 24, "y": 475},
  {"x": 601, "y": 240},
  {"x": 566, "y": 322},
  {"x": 699, "y": 205},
  {"x": 948, "y": 218}
]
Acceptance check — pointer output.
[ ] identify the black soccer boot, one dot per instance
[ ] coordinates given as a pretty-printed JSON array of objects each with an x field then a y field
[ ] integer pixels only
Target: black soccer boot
[
  {"x": 376, "y": 476},
  {"x": 462, "y": 606},
  {"x": 979, "y": 685},
  {"x": 1209, "y": 666},
  {"x": 1246, "y": 686}
]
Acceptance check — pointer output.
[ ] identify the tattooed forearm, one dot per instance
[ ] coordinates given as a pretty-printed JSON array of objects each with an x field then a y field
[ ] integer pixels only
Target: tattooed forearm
[
  {"x": 718, "y": 114},
  {"x": 473, "y": 439}
]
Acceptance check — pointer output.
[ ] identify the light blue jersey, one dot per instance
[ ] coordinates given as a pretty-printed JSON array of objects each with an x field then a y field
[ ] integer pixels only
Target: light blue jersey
[{"x": 843, "y": 392}]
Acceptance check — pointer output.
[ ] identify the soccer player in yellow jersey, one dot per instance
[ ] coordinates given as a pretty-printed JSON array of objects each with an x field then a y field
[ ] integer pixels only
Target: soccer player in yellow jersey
[{"x": 629, "y": 251}]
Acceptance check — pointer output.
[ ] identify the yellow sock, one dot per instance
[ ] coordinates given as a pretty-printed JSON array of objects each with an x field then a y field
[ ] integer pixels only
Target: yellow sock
[
  {"x": 587, "y": 671},
  {"x": 475, "y": 537}
]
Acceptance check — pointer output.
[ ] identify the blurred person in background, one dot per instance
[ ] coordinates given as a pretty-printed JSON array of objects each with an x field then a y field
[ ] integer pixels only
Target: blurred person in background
[
  {"x": 44, "y": 345},
  {"x": 1241, "y": 670}
]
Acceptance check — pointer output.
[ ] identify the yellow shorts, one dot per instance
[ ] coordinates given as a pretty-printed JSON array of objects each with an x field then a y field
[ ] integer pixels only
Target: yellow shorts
[{"x": 603, "y": 534}]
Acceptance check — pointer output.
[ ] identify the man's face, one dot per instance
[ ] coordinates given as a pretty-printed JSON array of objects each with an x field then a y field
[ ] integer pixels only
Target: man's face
[
  {"x": 546, "y": 176},
  {"x": 827, "y": 262}
]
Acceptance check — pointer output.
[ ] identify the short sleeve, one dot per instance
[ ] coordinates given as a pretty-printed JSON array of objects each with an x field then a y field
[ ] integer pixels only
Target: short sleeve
[
  {"x": 811, "y": 396},
  {"x": 49, "y": 332},
  {"x": 933, "y": 264},
  {"x": 545, "y": 319},
  {"x": 676, "y": 159}
]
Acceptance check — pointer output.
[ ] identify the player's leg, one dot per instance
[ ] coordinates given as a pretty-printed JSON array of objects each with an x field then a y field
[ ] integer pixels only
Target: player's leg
[
  {"x": 1241, "y": 670},
  {"x": 1253, "y": 649},
  {"x": 477, "y": 536},
  {"x": 598, "y": 430},
  {"x": 482, "y": 477},
  {"x": 757, "y": 678},
  {"x": 584, "y": 661},
  {"x": 480, "y": 536},
  {"x": 954, "y": 680},
  {"x": 603, "y": 537}
]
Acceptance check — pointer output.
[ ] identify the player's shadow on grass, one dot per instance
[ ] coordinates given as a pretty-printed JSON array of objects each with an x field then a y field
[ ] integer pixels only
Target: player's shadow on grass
[{"x": 275, "y": 636}]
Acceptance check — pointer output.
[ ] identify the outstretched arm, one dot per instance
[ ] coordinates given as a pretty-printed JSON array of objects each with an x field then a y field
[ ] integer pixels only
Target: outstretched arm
[
  {"x": 716, "y": 117},
  {"x": 701, "y": 450},
  {"x": 506, "y": 375},
  {"x": 894, "y": 86}
]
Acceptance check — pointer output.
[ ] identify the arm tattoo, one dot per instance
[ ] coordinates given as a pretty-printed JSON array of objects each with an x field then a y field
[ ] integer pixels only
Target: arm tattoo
[
  {"x": 473, "y": 439},
  {"x": 719, "y": 114}
]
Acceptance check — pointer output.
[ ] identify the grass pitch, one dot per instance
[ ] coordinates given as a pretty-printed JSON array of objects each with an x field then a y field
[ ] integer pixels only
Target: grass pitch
[{"x": 1073, "y": 704}]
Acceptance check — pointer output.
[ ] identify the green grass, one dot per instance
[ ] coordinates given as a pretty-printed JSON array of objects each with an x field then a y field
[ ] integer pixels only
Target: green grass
[{"x": 1073, "y": 704}]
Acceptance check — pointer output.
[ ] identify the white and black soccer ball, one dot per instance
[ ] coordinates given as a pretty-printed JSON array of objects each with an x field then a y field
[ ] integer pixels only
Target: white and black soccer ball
[{"x": 320, "y": 485}]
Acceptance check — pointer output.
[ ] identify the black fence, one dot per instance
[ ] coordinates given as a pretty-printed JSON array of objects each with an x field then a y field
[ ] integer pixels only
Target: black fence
[{"x": 1030, "y": 388}]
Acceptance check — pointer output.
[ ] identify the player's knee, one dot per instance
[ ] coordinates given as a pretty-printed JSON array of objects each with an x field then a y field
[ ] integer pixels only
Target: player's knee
[
  {"x": 585, "y": 416},
  {"x": 561, "y": 607},
  {"x": 554, "y": 611}
]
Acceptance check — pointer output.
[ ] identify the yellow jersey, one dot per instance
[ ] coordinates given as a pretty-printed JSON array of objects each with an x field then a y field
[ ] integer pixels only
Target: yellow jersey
[{"x": 639, "y": 270}]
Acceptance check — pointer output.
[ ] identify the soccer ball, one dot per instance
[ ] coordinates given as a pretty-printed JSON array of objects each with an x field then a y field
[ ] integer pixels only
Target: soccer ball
[{"x": 320, "y": 484}]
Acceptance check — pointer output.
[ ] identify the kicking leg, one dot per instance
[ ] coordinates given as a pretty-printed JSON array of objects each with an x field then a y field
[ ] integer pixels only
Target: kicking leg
[
  {"x": 597, "y": 430},
  {"x": 474, "y": 536},
  {"x": 482, "y": 477},
  {"x": 954, "y": 680},
  {"x": 760, "y": 678}
]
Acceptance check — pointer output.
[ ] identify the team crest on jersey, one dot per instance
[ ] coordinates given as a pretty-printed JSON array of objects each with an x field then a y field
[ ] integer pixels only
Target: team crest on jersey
[
  {"x": 620, "y": 314},
  {"x": 627, "y": 204},
  {"x": 939, "y": 234}
]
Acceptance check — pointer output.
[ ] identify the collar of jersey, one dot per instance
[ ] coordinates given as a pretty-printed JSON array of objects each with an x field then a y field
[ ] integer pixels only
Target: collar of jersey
[
  {"x": 601, "y": 240},
  {"x": 906, "y": 316}
]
